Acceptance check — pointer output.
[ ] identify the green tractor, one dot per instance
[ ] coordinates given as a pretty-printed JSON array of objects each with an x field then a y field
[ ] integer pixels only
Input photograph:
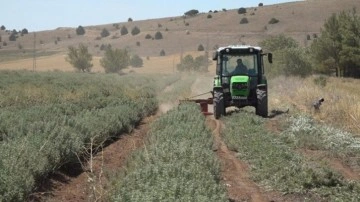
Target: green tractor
[{"x": 240, "y": 79}]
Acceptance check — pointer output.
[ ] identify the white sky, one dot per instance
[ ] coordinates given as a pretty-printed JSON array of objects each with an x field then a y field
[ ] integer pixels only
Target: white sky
[{"x": 38, "y": 15}]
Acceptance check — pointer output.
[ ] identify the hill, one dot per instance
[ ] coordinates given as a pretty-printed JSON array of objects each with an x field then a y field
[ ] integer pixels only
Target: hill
[{"x": 183, "y": 34}]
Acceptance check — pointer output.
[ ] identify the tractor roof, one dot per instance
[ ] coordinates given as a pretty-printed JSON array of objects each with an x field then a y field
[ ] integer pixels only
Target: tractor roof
[{"x": 239, "y": 47}]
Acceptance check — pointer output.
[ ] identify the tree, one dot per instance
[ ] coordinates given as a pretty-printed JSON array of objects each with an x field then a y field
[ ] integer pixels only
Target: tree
[
  {"x": 158, "y": 35},
  {"x": 188, "y": 63},
  {"x": 290, "y": 58},
  {"x": 136, "y": 61},
  {"x": 3, "y": 27},
  {"x": 162, "y": 52},
  {"x": 115, "y": 60},
  {"x": 24, "y": 31},
  {"x": 80, "y": 30},
  {"x": 124, "y": 31},
  {"x": 261, "y": 4},
  {"x": 278, "y": 42},
  {"x": 12, "y": 36},
  {"x": 201, "y": 63},
  {"x": 135, "y": 31},
  {"x": 105, "y": 33},
  {"x": 242, "y": 10},
  {"x": 338, "y": 48},
  {"x": 80, "y": 58},
  {"x": 295, "y": 62},
  {"x": 244, "y": 21},
  {"x": 148, "y": 36},
  {"x": 130, "y": 19},
  {"x": 201, "y": 48},
  {"x": 191, "y": 12},
  {"x": 273, "y": 21}
]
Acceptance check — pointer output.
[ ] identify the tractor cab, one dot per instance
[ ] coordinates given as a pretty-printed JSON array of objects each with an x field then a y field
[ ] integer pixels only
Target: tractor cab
[{"x": 240, "y": 79}]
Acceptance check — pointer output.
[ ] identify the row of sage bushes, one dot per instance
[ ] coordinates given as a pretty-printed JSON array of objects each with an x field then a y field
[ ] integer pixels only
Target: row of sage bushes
[
  {"x": 176, "y": 164},
  {"x": 48, "y": 120},
  {"x": 276, "y": 164}
]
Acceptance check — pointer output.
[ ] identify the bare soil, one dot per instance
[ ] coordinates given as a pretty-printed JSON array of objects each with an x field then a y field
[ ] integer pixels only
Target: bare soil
[{"x": 234, "y": 172}]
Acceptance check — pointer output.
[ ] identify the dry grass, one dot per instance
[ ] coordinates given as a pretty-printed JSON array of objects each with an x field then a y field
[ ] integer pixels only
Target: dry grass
[
  {"x": 164, "y": 64},
  {"x": 297, "y": 19},
  {"x": 342, "y": 99}
]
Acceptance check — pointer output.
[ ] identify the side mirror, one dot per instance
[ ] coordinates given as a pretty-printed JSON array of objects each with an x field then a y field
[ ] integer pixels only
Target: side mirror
[
  {"x": 218, "y": 71},
  {"x": 270, "y": 57},
  {"x": 215, "y": 55}
]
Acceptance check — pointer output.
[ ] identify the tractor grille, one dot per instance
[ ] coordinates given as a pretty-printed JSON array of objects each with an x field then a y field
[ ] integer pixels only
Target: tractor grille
[
  {"x": 240, "y": 89},
  {"x": 239, "y": 86}
]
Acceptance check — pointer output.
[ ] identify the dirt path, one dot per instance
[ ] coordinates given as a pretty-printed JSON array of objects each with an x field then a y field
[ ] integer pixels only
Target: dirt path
[
  {"x": 234, "y": 172},
  {"x": 89, "y": 183}
]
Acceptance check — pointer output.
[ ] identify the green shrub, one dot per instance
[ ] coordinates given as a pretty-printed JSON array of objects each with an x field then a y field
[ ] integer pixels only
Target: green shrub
[
  {"x": 80, "y": 58},
  {"x": 241, "y": 10},
  {"x": 273, "y": 21},
  {"x": 158, "y": 35},
  {"x": 105, "y": 33},
  {"x": 136, "y": 61},
  {"x": 80, "y": 30},
  {"x": 124, "y": 31},
  {"x": 200, "y": 47},
  {"x": 135, "y": 31},
  {"x": 24, "y": 31},
  {"x": 13, "y": 36},
  {"x": 244, "y": 21},
  {"x": 115, "y": 60},
  {"x": 148, "y": 36},
  {"x": 209, "y": 16},
  {"x": 191, "y": 12},
  {"x": 162, "y": 52}
]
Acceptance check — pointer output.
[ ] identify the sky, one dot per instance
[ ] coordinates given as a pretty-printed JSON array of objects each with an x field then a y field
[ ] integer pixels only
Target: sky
[{"x": 40, "y": 15}]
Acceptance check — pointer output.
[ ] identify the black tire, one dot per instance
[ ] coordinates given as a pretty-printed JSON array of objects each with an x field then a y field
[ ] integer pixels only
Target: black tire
[
  {"x": 262, "y": 103},
  {"x": 218, "y": 102}
]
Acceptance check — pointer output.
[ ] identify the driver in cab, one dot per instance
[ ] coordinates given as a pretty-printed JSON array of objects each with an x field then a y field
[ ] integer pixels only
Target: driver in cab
[{"x": 240, "y": 68}]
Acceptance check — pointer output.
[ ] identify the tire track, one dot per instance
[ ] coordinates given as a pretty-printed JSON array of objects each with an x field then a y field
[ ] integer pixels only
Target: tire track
[{"x": 234, "y": 173}]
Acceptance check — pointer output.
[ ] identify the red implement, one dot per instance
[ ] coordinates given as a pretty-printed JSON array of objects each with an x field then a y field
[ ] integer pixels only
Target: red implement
[{"x": 203, "y": 104}]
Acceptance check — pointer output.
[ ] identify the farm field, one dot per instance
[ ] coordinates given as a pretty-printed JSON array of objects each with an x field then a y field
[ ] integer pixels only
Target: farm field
[
  {"x": 50, "y": 120},
  {"x": 131, "y": 135}
]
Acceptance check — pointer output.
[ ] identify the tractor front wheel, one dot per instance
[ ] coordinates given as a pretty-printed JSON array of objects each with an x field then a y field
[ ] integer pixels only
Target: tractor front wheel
[
  {"x": 262, "y": 103},
  {"x": 219, "y": 106}
]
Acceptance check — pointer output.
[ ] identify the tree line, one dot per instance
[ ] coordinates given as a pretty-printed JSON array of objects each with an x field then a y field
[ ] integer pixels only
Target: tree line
[{"x": 113, "y": 62}]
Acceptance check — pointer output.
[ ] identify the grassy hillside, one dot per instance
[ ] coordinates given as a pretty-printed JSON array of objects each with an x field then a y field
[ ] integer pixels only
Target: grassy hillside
[{"x": 296, "y": 19}]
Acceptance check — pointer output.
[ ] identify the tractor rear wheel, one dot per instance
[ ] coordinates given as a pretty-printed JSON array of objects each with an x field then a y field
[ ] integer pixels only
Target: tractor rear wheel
[
  {"x": 219, "y": 106},
  {"x": 262, "y": 103}
]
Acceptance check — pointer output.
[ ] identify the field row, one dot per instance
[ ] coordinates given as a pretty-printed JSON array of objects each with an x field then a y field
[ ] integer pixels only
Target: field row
[
  {"x": 176, "y": 164},
  {"x": 48, "y": 120},
  {"x": 286, "y": 162}
]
